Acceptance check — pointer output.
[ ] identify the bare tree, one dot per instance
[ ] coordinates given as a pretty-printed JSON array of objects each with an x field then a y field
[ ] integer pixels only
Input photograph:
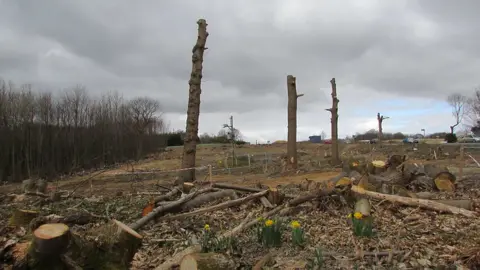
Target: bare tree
[
  {"x": 380, "y": 119},
  {"x": 292, "y": 121},
  {"x": 143, "y": 111},
  {"x": 457, "y": 102},
  {"x": 334, "y": 123}
]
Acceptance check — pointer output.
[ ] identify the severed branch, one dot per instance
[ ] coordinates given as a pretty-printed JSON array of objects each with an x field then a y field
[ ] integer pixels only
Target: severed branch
[
  {"x": 163, "y": 208},
  {"x": 427, "y": 204},
  {"x": 168, "y": 195},
  {"x": 215, "y": 207}
]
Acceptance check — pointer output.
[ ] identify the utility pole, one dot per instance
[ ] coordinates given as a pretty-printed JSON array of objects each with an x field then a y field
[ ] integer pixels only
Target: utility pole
[{"x": 232, "y": 138}]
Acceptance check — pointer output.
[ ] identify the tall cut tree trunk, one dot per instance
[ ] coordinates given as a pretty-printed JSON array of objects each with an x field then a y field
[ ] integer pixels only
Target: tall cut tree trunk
[
  {"x": 193, "y": 111},
  {"x": 292, "y": 122},
  {"x": 334, "y": 121},
  {"x": 380, "y": 119}
]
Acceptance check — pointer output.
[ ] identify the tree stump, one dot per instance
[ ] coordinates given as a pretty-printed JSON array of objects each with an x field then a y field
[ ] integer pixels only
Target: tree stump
[
  {"x": 206, "y": 261},
  {"x": 187, "y": 187},
  {"x": 22, "y": 218},
  {"x": 445, "y": 181},
  {"x": 52, "y": 238},
  {"x": 275, "y": 197},
  {"x": 376, "y": 167}
]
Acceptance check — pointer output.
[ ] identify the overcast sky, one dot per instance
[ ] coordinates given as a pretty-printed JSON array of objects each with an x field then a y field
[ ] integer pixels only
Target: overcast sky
[{"x": 400, "y": 58}]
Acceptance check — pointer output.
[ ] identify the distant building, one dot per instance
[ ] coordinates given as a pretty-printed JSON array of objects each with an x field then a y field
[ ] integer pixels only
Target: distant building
[{"x": 315, "y": 139}]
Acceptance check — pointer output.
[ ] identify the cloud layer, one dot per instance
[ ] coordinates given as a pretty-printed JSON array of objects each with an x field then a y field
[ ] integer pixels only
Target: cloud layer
[{"x": 401, "y": 58}]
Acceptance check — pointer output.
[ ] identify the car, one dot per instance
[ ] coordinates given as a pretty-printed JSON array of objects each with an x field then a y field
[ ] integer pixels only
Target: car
[
  {"x": 410, "y": 140},
  {"x": 469, "y": 139}
]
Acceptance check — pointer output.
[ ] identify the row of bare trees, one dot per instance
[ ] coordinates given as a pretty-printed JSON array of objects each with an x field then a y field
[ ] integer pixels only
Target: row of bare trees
[{"x": 44, "y": 135}]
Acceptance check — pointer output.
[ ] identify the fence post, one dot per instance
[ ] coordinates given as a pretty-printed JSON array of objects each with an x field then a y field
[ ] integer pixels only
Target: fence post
[{"x": 462, "y": 162}]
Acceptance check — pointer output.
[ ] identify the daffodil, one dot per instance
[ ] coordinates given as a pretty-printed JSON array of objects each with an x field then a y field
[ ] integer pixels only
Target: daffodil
[
  {"x": 295, "y": 224},
  {"x": 358, "y": 215},
  {"x": 269, "y": 222},
  {"x": 206, "y": 227}
]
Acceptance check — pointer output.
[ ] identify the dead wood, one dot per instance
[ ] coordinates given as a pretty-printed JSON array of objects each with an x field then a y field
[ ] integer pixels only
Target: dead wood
[
  {"x": 167, "y": 196},
  {"x": 292, "y": 122},
  {"x": 244, "y": 189},
  {"x": 209, "y": 197},
  {"x": 162, "y": 209},
  {"x": 193, "y": 109},
  {"x": 215, "y": 207},
  {"x": 275, "y": 197},
  {"x": 244, "y": 225},
  {"x": 187, "y": 187},
  {"x": 206, "y": 261},
  {"x": 21, "y": 217},
  {"x": 263, "y": 261},
  {"x": 266, "y": 203},
  {"x": 55, "y": 247},
  {"x": 428, "y": 204},
  {"x": 79, "y": 218},
  {"x": 334, "y": 124}
]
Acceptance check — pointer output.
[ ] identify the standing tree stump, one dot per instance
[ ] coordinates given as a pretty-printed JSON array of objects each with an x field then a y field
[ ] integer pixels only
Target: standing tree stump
[
  {"x": 292, "y": 122},
  {"x": 193, "y": 110},
  {"x": 380, "y": 119},
  {"x": 22, "y": 218},
  {"x": 334, "y": 121}
]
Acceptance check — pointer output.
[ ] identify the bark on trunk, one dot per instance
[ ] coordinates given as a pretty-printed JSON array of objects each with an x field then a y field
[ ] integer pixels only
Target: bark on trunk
[
  {"x": 292, "y": 122},
  {"x": 334, "y": 122},
  {"x": 193, "y": 111}
]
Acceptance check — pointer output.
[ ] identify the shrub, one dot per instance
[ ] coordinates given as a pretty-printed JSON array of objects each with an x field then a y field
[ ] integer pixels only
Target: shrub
[{"x": 451, "y": 138}]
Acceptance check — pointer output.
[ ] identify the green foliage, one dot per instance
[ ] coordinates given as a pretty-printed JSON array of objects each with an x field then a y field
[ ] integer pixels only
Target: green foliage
[
  {"x": 451, "y": 138},
  {"x": 317, "y": 261},
  {"x": 298, "y": 236},
  {"x": 270, "y": 232},
  {"x": 211, "y": 243},
  {"x": 362, "y": 225}
]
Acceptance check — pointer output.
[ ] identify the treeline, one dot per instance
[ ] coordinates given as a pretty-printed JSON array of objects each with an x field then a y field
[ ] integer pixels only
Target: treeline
[
  {"x": 373, "y": 134},
  {"x": 46, "y": 135}
]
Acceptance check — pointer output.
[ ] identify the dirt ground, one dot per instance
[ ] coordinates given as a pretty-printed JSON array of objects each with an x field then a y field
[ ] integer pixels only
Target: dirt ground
[{"x": 423, "y": 239}]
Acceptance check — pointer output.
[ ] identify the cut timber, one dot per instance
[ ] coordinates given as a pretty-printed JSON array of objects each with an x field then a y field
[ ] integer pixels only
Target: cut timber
[
  {"x": 275, "y": 197},
  {"x": 376, "y": 167},
  {"x": 127, "y": 243},
  {"x": 344, "y": 181},
  {"x": 305, "y": 184},
  {"x": 432, "y": 170},
  {"x": 363, "y": 206},
  {"x": 209, "y": 197},
  {"x": 445, "y": 181},
  {"x": 167, "y": 196},
  {"x": 292, "y": 122},
  {"x": 216, "y": 207},
  {"x": 51, "y": 238},
  {"x": 427, "y": 204},
  {"x": 80, "y": 218},
  {"x": 187, "y": 186},
  {"x": 206, "y": 261},
  {"x": 245, "y": 189},
  {"x": 163, "y": 208},
  {"x": 465, "y": 204},
  {"x": 21, "y": 218},
  {"x": 394, "y": 161},
  {"x": 266, "y": 203}
]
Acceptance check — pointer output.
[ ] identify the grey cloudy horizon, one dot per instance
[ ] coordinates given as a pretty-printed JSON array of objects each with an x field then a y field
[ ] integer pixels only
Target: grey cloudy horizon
[{"x": 401, "y": 58}]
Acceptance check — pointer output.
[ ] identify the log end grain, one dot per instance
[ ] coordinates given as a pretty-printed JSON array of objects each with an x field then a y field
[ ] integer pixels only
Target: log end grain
[
  {"x": 52, "y": 238},
  {"x": 21, "y": 217}
]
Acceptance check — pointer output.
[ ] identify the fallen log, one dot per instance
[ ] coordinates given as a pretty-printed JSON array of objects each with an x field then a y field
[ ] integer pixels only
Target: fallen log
[
  {"x": 163, "y": 208},
  {"x": 205, "y": 198},
  {"x": 266, "y": 203},
  {"x": 427, "y": 204},
  {"x": 21, "y": 217},
  {"x": 205, "y": 261},
  {"x": 215, "y": 207}
]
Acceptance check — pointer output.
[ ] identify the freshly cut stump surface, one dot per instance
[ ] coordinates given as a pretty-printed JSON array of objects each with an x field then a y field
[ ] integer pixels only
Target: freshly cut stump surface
[
  {"x": 22, "y": 217},
  {"x": 51, "y": 238}
]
